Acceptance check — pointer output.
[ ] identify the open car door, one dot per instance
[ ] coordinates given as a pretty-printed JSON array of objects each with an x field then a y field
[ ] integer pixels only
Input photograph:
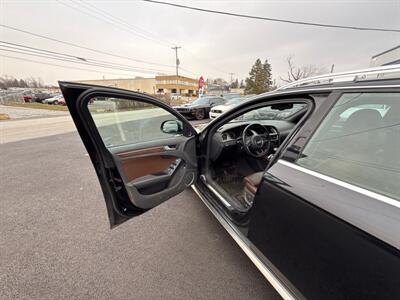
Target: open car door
[{"x": 142, "y": 150}]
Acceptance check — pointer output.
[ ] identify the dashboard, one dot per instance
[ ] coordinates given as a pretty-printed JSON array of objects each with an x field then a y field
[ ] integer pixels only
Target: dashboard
[{"x": 229, "y": 136}]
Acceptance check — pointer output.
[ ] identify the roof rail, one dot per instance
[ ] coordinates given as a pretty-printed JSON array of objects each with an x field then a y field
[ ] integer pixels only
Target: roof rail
[{"x": 378, "y": 73}]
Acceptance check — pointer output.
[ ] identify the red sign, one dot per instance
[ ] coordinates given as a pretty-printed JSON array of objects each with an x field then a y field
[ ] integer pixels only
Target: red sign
[{"x": 201, "y": 82}]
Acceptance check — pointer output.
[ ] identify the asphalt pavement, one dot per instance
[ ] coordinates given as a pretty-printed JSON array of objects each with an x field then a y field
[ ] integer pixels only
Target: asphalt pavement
[{"x": 55, "y": 241}]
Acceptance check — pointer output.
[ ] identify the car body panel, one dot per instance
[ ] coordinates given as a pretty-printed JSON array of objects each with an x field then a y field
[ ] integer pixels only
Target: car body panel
[
  {"x": 53, "y": 99},
  {"x": 322, "y": 255},
  {"x": 216, "y": 111}
]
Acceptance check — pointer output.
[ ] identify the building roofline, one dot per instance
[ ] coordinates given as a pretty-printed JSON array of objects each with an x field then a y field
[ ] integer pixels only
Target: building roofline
[
  {"x": 110, "y": 79},
  {"x": 384, "y": 52}
]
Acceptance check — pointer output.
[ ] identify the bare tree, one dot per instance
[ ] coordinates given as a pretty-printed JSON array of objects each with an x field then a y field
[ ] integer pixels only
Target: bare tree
[{"x": 296, "y": 73}]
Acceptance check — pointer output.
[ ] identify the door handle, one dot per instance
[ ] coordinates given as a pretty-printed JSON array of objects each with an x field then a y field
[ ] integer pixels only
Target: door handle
[{"x": 169, "y": 147}]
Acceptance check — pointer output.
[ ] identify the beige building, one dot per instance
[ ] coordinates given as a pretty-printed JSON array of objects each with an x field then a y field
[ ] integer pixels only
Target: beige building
[
  {"x": 172, "y": 84},
  {"x": 168, "y": 84},
  {"x": 144, "y": 85}
]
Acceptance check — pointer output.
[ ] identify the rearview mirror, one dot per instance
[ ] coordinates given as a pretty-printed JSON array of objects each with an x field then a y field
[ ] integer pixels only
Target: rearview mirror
[
  {"x": 172, "y": 127},
  {"x": 282, "y": 106}
]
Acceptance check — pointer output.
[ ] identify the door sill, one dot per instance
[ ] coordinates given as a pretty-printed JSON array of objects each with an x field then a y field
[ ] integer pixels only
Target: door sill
[{"x": 242, "y": 242}]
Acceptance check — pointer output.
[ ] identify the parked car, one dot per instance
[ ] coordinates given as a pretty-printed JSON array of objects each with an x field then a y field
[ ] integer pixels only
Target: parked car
[
  {"x": 200, "y": 108},
  {"x": 230, "y": 96},
  {"x": 39, "y": 97},
  {"x": 62, "y": 102},
  {"x": 312, "y": 199},
  {"x": 218, "y": 110},
  {"x": 53, "y": 100},
  {"x": 28, "y": 98}
]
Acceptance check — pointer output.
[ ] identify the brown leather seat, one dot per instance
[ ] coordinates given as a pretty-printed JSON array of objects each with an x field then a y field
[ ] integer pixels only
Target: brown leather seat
[{"x": 252, "y": 182}]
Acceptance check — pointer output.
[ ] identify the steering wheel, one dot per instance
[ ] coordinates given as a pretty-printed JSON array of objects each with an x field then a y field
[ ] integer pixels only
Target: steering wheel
[{"x": 256, "y": 140}]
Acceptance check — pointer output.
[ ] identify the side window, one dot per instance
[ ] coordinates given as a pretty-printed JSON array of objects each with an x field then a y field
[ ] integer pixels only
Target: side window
[
  {"x": 122, "y": 121},
  {"x": 359, "y": 142}
]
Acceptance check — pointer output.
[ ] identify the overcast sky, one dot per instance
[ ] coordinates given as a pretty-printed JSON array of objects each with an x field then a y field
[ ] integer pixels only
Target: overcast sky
[{"x": 212, "y": 45}]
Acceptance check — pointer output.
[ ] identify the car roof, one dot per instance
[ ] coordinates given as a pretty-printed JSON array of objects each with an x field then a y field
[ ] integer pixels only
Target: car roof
[{"x": 383, "y": 75}]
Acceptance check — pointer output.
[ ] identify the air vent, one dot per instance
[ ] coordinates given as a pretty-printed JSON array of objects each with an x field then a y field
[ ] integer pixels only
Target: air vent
[{"x": 273, "y": 134}]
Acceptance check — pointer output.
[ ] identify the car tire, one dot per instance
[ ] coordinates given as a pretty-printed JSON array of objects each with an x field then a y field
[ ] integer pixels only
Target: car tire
[
  {"x": 200, "y": 114},
  {"x": 55, "y": 102}
]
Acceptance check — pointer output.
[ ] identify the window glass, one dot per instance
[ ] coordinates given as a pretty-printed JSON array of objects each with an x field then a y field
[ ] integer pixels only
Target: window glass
[
  {"x": 217, "y": 101},
  {"x": 359, "y": 142},
  {"x": 122, "y": 121},
  {"x": 271, "y": 113},
  {"x": 235, "y": 101},
  {"x": 201, "y": 100}
]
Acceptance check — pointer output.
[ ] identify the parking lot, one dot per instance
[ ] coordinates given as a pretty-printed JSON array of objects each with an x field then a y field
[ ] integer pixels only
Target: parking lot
[{"x": 55, "y": 240}]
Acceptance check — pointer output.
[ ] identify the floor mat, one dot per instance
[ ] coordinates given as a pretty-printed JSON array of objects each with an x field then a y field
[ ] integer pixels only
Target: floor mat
[{"x": 234, "y": 186}]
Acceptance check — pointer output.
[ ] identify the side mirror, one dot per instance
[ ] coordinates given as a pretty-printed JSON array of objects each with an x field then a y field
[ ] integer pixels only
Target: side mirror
[{"x": 172, "y": 127}]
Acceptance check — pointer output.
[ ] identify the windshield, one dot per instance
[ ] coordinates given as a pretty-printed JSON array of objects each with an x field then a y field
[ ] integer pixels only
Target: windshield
[
  {"x": 230, "y": 96},
  {"x": 270, "y": 113},
  {"x": 234, "y": 101},
  {"x": 200, "y": 101}
]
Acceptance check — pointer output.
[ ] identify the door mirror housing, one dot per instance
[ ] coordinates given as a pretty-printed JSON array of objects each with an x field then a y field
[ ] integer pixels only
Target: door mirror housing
[{"x": 172, "y": 127}]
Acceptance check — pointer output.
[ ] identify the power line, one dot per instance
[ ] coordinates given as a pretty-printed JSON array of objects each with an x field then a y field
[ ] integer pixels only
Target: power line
[
  {"x": 102, "y": 19},
  {"x": 186, "y": 70},
  {"x": 63, "y": 55},
  {"x": 119, "y": 21},
  {"x": 103, "y": 13},
  {"x": 76, "y": 62},
  {"x": 86, "y": 62},
  {"x": 83, "y": 47},
  {"x": 56, "y": 65},
  {"x": 274, "y": 19},
  {"x": 123, "y": 22}
]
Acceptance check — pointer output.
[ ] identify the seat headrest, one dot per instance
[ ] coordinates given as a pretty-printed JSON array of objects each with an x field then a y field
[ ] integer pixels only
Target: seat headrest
[{"x": 363, "y": 120}]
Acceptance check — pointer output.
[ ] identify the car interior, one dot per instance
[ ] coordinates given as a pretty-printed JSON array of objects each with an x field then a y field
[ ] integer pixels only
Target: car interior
[{"x": 241, "y": 149}]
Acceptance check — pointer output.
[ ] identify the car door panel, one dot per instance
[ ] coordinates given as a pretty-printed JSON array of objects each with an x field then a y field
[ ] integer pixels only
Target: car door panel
[
  {"x": 151, "y": 174},
  {"x": 322, "y": 255},
  {"x": 136, "y": 166},
  {"x": 139, "y": 165}
]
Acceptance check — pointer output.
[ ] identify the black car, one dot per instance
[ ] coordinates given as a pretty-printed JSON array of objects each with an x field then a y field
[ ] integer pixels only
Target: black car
[
  {"x": 200, "y": 108},
  {"x": 39, "y": 97},
  {"x": 313, "y": 198}
]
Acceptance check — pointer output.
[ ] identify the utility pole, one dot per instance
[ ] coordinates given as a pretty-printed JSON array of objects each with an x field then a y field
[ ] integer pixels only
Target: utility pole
[
  {"x": 176, "y": 58},
  {"x": 230, "y": 85},
  {"x": 177, "y": 67},
  {"x": 231, "y": 76}
]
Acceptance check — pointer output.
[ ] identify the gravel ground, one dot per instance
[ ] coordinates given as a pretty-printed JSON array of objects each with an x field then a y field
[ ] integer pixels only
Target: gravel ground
[
  {"x": 23, "y": 112},
  {"x": 55, "y": 241}
]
